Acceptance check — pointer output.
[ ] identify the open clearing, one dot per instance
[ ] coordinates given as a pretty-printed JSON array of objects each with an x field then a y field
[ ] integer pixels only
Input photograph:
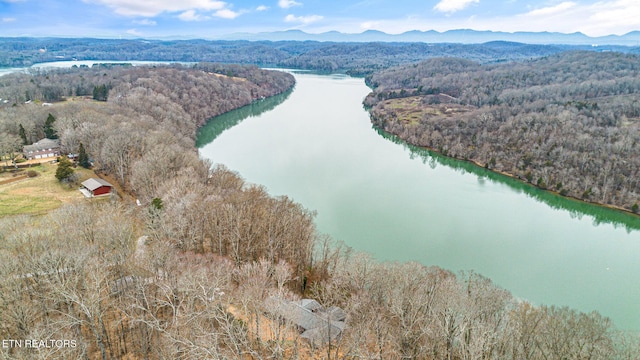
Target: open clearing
[
  {"x": 413, "y": 109},
  {"x": 37, "y": 195}
]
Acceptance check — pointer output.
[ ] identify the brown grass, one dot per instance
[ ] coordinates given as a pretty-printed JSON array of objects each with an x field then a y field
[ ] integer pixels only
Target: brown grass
[
  {"x": 37, "y": 195},
  {"x": 411, "y": 110}
]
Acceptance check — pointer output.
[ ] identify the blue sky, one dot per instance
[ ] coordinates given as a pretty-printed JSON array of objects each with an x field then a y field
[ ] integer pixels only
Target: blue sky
[{"x": 214, "y": 18}]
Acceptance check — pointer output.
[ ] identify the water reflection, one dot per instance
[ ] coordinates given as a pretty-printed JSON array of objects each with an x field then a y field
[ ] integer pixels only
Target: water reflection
[
  {"x": 368, "y": 193},
  {"x": 577, "y": 209},
  {"x": 220, "y": 124}
]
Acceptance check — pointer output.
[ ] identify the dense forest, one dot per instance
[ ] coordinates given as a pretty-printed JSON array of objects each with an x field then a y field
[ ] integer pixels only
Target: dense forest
[
  {"x": 355, "y": 58},
  {"x": 568, "y": 122},
  {"x": 188, "y": 274},
  {"x": 149, "y": 112}
]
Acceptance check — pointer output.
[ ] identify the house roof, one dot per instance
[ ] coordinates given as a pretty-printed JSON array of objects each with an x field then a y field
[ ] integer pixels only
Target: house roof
[
  {"x": 95, "y": 183},
  {"x": 324, "y": 333},
  {"x": 337, "y": 314},
  {"x": 309, "y": 304},
  {"x": 43, "y": 145},
  {"x": 318, "y": 325}
]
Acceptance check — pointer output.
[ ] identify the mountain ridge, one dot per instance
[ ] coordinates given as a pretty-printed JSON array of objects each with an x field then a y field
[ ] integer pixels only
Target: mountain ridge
[{"x": 464, "y": 36}]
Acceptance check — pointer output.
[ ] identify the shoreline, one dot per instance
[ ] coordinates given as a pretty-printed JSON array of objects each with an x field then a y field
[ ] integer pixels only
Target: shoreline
[{"x": 511, "y": 176}]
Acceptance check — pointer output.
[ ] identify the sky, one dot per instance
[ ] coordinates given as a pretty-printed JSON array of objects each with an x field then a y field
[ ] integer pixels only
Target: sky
[{"x": 210, "y": 19}]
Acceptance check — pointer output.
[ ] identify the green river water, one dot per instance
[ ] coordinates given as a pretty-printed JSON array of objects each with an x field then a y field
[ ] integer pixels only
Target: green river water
[{"x": 316, "y": 145}]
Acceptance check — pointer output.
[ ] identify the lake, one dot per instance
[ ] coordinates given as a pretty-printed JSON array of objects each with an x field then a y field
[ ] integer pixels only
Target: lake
[
  {"x": 89, "y": 63},
  {"x": 316, "y": 145}
]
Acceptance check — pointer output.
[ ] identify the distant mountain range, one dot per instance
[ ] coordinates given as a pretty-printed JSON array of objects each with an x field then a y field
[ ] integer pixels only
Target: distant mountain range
[{"x": 452, "y": 36}]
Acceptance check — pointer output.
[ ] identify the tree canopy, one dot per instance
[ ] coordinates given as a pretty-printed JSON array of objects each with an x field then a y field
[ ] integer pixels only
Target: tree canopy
[{"x": 568, "y": 122}]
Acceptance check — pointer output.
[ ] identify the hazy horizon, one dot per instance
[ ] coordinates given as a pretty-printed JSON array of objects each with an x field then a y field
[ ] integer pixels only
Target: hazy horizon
[{"x": 214, "y": 19}]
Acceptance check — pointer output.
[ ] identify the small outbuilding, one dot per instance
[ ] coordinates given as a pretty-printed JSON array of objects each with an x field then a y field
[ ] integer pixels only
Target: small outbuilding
[{"x": 96, "y": 187}]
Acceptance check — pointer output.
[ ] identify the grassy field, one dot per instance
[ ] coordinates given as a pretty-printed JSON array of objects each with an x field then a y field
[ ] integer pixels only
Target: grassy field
[
  {"x": 411, "y": 110},
  {"x": 37, "y": 195}
]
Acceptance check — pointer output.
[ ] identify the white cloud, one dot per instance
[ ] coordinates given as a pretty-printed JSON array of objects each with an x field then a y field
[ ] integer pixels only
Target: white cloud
[
  {"x": 597, "y": 19},
  {"x": 8, "y": 20},
  {"x": 619, "y": 16},
  {"x": 451, "y": 6},
  {"x": 552, "y": 10},
  {"x": 305, "y": 20},
  {"x": 262, "y": 8},
  {"x": 604, "y": 17},
  {"x": 150, "y": 8},
  {"x": 226, "y": 14},
  {"x": 191, "y": 15},
  {"x": 145, "y": 22},
  {"x": 285, "y": 4},
  {"x": 370, "y": 25},
  {"x": 134, "y": 32}
]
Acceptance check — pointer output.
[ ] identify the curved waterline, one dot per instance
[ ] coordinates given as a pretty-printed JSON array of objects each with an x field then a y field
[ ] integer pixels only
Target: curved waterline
[
  {"x": 402, "y": 203},
  {"x": 576, "y": 208},
  {"x": 216, "y": 126}
]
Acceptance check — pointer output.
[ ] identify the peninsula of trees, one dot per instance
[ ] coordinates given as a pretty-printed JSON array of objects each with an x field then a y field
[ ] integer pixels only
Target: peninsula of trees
[
  {"x": 187, "y": 274},
  {"x": 568, "y": 122}
]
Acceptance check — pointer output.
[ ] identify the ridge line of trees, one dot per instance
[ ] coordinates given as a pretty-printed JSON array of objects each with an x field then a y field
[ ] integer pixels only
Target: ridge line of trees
[
  {"x": 567, "y": 123},
  {"x": 354, "y": 57}
]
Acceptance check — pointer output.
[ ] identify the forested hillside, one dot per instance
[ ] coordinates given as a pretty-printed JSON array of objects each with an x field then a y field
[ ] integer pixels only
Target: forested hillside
[
  {"x": 188, "y": 273},
  {"x": 355, "y": 58},
  {"x": 149, "y": 112},
  {"x": 568, "y": 122},
  {"x": 192, "y": 87}
]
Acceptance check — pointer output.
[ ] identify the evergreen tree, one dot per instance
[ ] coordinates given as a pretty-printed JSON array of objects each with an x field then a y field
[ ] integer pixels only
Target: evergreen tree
[
  {"x": 23, "y": 135},
  {"x": 83, "y": 158},
  {"x": 49, "y": 130},
  {"x": 64, "y": 172},
  {"x": 82, "y": 90},
  {"x": 100, "y": 92}
]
